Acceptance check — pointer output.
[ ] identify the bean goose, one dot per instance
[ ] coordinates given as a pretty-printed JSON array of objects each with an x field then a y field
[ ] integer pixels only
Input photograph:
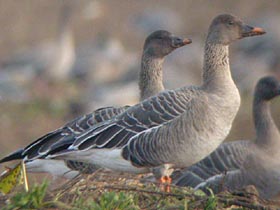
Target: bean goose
[
  {"x": 157, "y": 45},
  {"x": 237, "y": 164},
  {"x": 173, "y": 128}
]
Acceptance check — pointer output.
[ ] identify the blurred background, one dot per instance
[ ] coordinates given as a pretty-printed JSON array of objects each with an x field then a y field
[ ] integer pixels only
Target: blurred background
[{"x": 61, "y": 59}]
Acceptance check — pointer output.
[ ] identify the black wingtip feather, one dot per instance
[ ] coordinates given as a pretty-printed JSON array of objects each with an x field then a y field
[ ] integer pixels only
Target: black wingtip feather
[{"x": 13, "y": 156}]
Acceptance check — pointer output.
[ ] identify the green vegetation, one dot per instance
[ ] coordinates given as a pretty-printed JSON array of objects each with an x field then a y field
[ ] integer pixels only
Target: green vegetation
[
  {"x": 212, "y": 201},
  {"x": 108, "y": 201},
  {"x": 34, "y": 199}
]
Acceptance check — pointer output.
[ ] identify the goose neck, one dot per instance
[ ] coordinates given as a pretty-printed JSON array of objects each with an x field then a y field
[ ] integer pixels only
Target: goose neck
[
  {"x": 216, "y": 69},
  {"x": 267, "y": 132},
  {"x": 150, "y": 81}
]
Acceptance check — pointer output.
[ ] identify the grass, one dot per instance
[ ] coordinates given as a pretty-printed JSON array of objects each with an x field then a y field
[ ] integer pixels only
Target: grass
[
  {"x": 212, "y": 201},
  {"x": 34, "y": 199},
  {"x": 108, "y": 201},
  {"x": 103, "y": 191}
]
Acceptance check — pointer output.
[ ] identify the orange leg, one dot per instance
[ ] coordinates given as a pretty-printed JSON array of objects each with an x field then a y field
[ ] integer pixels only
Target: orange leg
[{"x": 165, "y": 182}]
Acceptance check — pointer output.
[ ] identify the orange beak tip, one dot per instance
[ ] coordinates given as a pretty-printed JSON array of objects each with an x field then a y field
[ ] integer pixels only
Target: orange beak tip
[
  {"x": 258, "y": 30},
  {"x": 187, "y": 41}
]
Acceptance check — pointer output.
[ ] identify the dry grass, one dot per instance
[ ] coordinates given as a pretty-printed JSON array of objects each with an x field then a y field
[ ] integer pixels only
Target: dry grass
[{"x": 107, "y": 190}]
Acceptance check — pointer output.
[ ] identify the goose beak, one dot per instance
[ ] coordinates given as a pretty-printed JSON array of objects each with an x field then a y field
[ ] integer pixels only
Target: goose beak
[
  {"x": 251, "y": 31},
  {"x": 179, "y": 42},
  {"x": 187, "y": 41}
]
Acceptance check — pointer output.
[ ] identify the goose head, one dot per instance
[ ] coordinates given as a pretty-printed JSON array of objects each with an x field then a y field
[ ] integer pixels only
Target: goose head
[
  {"x": 267, "y": 88},
  {"x": 161, "y": 43},
  {"x": 227, "y": 28}
]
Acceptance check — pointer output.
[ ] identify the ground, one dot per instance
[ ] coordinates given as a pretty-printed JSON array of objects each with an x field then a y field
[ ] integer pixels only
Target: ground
[{"x": 106, "y": 190}]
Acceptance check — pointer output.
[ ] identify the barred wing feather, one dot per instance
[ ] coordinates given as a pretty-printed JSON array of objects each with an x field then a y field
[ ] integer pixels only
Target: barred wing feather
[
  {"x": 116, "y": 133},
  {"x": 227, "y": 157}
]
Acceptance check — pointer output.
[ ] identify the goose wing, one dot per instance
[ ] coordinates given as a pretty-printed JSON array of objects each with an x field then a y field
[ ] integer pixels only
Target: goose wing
[
  {"x": 150, "y": 113},
  {"x": 117, "y": 132},
  {"x": 64, "y": 134},
  {"x": 226, "y": 158},
  {"x": 230, "y": 180}
]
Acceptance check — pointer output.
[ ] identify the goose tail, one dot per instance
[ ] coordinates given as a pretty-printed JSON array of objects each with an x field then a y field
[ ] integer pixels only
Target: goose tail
[{"x": 13, "y": 156}]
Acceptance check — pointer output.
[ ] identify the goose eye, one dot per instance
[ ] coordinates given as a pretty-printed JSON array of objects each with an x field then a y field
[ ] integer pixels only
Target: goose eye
[{"x": 230, "y": 23}]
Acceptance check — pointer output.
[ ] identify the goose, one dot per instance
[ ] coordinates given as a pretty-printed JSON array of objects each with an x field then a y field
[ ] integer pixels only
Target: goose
[
  {"x": 236, "y": 164},
  {"x": 157, "y": 45},
  {"x": 171, "y": 129}
]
